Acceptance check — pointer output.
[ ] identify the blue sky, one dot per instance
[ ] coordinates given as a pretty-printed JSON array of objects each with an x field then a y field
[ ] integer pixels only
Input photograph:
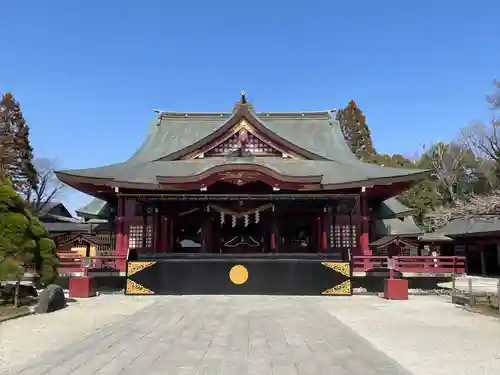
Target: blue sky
[{"x": 89, "y": 73}]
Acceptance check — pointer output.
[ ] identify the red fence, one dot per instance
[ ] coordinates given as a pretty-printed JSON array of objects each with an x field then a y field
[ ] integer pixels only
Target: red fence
[
  {"x": 76, "y": 263},
  {"x": 415, "y": 264}
]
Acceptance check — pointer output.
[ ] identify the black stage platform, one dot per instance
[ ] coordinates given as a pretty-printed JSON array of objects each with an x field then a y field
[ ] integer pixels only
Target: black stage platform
[{"x": 268, "y": 274}]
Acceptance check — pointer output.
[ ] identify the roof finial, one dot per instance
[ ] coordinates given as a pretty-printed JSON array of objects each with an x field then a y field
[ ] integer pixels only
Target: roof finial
[{"x": 243, "y": 97}]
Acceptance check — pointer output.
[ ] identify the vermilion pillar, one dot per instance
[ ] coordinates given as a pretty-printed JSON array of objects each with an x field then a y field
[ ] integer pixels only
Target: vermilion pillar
[
  {"x": 206, "y": 232},
  {"x": 124, "y": 215},
  {"x": 319, "y": 231},
  {"x": 119, "y": 244},
  {"x": 275, "y": 233},
  {"x": 325, "y": 224},
  {"x": 163, "y": 229},
  {"x": 129, "y": 213},
  {"x": 156, "y": 230},
  {"x": 167, "y": 232},
  {"x": 365, "y": 225}
]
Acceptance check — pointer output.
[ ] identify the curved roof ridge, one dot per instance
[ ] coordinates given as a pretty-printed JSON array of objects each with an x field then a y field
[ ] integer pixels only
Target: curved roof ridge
[
  {"x": 165, "y": 115},
  {"x": 146, "y": 143},
  {"x": 342, "y": 144},
  {"x": 169, "y": 114}
]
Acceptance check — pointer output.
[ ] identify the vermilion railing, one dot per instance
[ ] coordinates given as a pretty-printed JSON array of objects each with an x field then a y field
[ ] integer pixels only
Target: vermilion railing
[
  {"x": 75, "y": 262},
  {"x": 416, "y": 264}
]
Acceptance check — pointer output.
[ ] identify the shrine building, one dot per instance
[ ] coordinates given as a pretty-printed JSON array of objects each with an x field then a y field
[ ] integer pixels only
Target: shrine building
[{"x": 241, "y": 202}]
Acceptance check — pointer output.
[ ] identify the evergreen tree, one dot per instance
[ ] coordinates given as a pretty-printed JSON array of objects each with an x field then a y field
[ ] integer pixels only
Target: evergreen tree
[
  {"x": 422, "y": 196},
  {"x": 356, "y": 131},
  {"x": 16, "y": 156},
  {"x": 6, "y": 143},
  {"x": 24, "y": 242}
]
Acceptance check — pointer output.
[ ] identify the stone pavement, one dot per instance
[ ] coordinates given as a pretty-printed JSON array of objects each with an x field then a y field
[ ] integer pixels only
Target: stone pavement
[{"x": 202, "y": 335}]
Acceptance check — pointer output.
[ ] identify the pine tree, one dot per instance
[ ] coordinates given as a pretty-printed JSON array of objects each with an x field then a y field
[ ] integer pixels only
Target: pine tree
[
  {"x": 356, "y": 131},
  {"x": 421, "y": 196},
  {"x": 16, "y": 156},
  {"x": 6, "y": 142},
  {"x": 24, "y": 242}
]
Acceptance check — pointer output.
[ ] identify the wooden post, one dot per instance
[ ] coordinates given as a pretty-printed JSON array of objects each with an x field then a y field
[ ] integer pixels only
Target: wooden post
[
  {"x": 324, "y": 229},
  {"x": 391, "y": 263},
  {"x": 453, "y": 286},
  {"x": 144, "y": 226},
  {"x": 129, "y": 213},
  {"x": 358, "y": 220},
  {"x": 483, "y": 259},
  {"x": 275, "y": 235},
  {"x": 170, "y": 240},
  {"x": 119, "y": 227},
  {"x": 453, "y": 279},
  {"x": 317, "y": 236},
  {"x": 206, "y": 231},
  {"x": 466, "y": 253},
  {"x": 472, "y": 300},
  {"x": 498, "y": 296},
  {"x": 121, "y": 245},
  {"x": 156, "y": 229},
  {"x": 364, "y": 237}
]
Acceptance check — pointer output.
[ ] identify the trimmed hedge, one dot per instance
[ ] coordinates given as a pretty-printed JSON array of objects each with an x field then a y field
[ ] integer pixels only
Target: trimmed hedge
[{"x": 23, "y": 239}]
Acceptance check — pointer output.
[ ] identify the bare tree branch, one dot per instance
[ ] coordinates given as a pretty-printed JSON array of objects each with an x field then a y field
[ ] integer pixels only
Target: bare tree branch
[
  {"x": 449, "y": 167},
  {"x": 484, "y": 207},
  {"x": 494, "y": 99},
  {"x": 48, "y": 187}
]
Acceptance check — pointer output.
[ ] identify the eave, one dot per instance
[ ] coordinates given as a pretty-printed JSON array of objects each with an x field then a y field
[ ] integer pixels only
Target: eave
[
  {"x": 239, "y": 175},
  {"x": 392, "y": 239}
]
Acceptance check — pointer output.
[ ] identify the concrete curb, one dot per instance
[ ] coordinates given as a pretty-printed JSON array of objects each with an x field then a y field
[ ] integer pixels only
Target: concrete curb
[{"x": 15, "y": 316}]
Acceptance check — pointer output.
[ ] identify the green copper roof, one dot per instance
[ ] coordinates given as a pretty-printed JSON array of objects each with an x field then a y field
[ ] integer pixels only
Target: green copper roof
[
  {"x": 397, "y": 227},
  {"x": 95, "y": 208},
  {"x": 318, "y": 133},
  {"x": 333, "y": 172},
  {"x": 434, "y": 237},
  {"x": 473, "y": 226},
  {"x": 392, "y": 208},
  {"x": 168, "y": 136}
]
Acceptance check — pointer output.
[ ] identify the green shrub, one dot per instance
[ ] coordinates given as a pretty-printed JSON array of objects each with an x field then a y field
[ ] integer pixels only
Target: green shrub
[{"x": 24, "y": 242}]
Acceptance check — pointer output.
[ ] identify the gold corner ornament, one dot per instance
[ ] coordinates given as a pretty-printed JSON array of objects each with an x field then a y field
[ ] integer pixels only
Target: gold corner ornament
[
  {"x": 134, "y": 267},
  {"x": 136, "y": 288},
  {"x": 340, "y": 289},
  {"x": 342, "y": 268}
]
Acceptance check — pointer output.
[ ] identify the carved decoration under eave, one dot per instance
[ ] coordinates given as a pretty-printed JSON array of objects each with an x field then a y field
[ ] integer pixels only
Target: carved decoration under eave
[
  {"x": 310, "y": 187},
  {"x": 240, "y": 178}
]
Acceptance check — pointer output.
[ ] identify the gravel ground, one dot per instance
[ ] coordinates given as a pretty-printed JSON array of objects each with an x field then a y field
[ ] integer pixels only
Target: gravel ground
[
  {"x": 487, "y": 285},
  {"x": 26, "y": 339},
  {"x": 426, "y": 334}
]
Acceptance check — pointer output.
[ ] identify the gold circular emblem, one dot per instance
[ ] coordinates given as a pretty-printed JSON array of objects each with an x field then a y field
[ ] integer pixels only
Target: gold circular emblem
[{"x": 238, "y": 274}]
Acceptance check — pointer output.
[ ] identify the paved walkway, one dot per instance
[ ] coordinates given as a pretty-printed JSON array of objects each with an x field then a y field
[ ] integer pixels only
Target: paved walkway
[
  {"x": 223, "y": 335},
  {"x": 194, "y": 335}
]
